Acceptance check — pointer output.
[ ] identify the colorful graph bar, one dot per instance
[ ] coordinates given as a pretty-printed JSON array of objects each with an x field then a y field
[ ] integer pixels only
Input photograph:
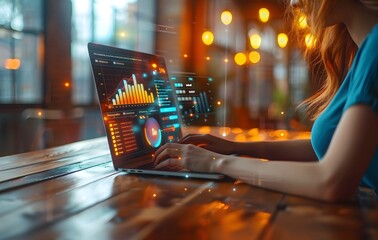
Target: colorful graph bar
[
  {"x": 201, "y": 103},
  {"x": 168, "y": 109},
  {"x": 132, "y": 94}
]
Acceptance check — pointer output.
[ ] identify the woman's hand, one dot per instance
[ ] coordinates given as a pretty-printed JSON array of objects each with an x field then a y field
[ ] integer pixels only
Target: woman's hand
[
  {"x": 210, "y": 142},
  {"x": 187, "y": 156}
]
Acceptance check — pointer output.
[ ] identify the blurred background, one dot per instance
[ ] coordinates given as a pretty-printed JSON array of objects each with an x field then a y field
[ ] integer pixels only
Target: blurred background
[{"x": 47, "y": 94}]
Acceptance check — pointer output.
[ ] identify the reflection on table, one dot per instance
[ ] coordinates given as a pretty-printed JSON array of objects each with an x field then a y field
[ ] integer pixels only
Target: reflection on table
[{"x": 73, "y": 192}]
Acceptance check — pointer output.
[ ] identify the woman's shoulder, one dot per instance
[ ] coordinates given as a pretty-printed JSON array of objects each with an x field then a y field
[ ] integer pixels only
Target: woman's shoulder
[
  {"x": 363, "y": 86},
  {"x": 370, "y": 44},
  {"x": 367, "y": 55}
]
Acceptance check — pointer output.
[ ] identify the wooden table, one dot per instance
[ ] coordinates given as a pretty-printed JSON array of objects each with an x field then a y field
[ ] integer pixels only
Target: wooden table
[{"x": 73, "y": 192}]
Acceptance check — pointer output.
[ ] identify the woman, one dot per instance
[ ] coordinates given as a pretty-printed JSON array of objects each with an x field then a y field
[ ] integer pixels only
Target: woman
[{"x": 342, "y": 153}]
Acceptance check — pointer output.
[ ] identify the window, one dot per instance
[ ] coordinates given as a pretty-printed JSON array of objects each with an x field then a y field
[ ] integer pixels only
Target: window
[
  {"x": 124, "y": 23},
  {"x": 21, "y": 45}
]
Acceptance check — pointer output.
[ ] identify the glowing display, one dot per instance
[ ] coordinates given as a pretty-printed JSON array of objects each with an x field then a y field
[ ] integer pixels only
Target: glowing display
[
  {"x": 137, "y": 102},
  {"x": 122, "y": 137},
  {"x": 152, "y": 132},
  {"x": 132, "y": 94},
  {"x": 201, "y": 104},
  {"x": 196, "y": 100}
]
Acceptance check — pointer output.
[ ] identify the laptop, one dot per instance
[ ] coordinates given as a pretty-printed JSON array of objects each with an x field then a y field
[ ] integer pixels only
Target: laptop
[{"x": 138, "y": 107}]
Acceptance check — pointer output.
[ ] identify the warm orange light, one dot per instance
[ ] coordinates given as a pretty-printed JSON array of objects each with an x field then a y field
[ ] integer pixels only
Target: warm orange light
[
  {"x": 185, "y": 55},
  {"x": 310, "y": 41},
  {"x": 219, "y": 103},
  {"x": 154, "y": 65},
  {"x": 39, "y": 113},
  {"x": 254, "y": 57},
  {"x": 224, "y": 131},
  {"x": 237, "y": 130},
  {"x": 280, "y": 133},
  {"x": 226, "y": 17},
  {"x": 204, "y": 130},
  {"x": 302, "y": 21},
  {"x": 208, "y": 58},
  {"x": 207, "y": 37},
  {"x": 226, "y": 60},
  {"x": 240, "y": 58},
  {"x": 66, "y": 84},
  {"x": 253, "y": 131},
  {"x": 264, "y": 15},
  {"x": 255, "y": 41},
  {"x": 240, "y": 138},
  {"x": 12, "y": 63},
  {"x": 282, "y": 40}
]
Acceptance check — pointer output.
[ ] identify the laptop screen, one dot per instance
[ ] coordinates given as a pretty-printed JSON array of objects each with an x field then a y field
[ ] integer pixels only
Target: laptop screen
[{"x": 136, "y": 100}]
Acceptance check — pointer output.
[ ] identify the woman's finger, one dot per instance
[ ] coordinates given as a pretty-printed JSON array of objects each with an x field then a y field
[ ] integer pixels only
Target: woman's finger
[
  {"x": 166, "y": 152},
  {"x": 168, "y": 162},
  {"x": 162, "y": 148}
]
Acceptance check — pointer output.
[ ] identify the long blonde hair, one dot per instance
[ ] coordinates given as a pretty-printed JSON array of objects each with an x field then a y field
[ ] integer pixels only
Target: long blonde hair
[{"x": 334, "y": 51}]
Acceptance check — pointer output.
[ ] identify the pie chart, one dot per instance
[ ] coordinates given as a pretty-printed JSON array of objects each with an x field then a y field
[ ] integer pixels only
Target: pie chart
[{"x": 152, "y": 132}]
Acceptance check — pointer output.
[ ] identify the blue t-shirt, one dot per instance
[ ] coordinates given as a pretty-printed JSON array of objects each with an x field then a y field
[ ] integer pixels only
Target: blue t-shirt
[{"x": 359, "y": 87}]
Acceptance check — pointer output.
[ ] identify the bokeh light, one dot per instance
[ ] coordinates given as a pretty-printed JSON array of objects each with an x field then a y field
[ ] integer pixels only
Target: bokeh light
[
  {"x": 226, "y": 17},
  {"x": 282, "y": 40},
  {"x": 310, "y": 41},
  {"x": 207, "y": 37},
  {"x": 255, "y": 40},
  {"x": 254, "y": 57},
  {"x": 302, "y": 21},
  {"x": 264, "y": 15},
  {"x": 240, "y": 58},
  {"x": 12, "y": 63}
]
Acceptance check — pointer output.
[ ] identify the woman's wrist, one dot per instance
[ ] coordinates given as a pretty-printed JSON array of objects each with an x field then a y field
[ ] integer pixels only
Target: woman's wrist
[
  {"x": 240, "y": 148},
  {"x": 219, "y": 163},
  {"x": 233, "y": 148}
]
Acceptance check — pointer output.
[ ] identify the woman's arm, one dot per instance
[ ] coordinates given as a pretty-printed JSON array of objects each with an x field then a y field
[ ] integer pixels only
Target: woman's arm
[
  {"x": 334, "y": 178},
  {"x": 293, "y": 150},
  {"x": 288, "y": 150}
]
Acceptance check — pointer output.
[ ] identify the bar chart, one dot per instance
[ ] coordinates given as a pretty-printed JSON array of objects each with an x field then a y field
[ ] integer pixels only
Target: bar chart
[
  {"x": 132, "y": 94},
  {"x": 201, "y": 104}
]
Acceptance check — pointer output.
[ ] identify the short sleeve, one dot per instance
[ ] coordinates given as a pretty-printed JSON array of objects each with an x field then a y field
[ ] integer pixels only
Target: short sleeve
[{"x": 363, "y": 88}]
